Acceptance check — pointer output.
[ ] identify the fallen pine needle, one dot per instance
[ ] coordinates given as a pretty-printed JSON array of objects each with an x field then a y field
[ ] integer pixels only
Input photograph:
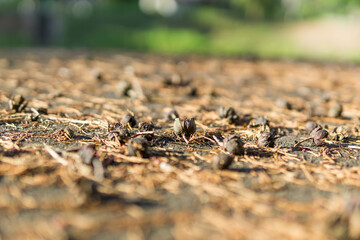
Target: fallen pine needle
[{"x": 55, "y": 155}]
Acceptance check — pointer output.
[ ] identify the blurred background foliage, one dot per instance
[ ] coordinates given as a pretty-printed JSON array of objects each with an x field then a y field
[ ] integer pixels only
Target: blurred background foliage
[{"x": 263, "y": 28}]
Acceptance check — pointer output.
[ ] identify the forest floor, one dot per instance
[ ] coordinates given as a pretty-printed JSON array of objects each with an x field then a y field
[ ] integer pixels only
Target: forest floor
[{"x": 52, "y": 187}]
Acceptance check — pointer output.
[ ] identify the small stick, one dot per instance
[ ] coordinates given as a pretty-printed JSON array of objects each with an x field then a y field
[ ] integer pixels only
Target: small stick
[
  {"x": 203, "y": 137},
  {"x": 27, "y": 115},
  {"x": 143, "y": 133},
  {"x": 117, "y": 140},
  {"x": 200, "y": 157},
  {"x": 129, "y": 126},
  {"x": 35, "y": 111},
  {"x": 75, "y": 120},
  {"x": 307, "y": 173},
  {"x": 306, "y": 139},
  {"x": 354, "y": 146},
  {"x": 193, "y": 138},
  {"x": 221, "y": 144},
  {"x": 131, "y": 159},
  {"x": 10, "y": 120},
  {"x": 187, "y": 142},
  {"x": 19, "y": 115},
  {"x": 56, "y": 156},
  {"x": 202, "y": 125}
]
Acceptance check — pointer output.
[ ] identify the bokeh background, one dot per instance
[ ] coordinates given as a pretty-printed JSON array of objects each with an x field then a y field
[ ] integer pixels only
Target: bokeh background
[{"x": 327, "y": 30}]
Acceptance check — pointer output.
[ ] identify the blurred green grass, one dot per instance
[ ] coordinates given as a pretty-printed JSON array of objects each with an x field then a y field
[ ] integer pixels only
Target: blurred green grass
[{"x": 205, "y": 30}]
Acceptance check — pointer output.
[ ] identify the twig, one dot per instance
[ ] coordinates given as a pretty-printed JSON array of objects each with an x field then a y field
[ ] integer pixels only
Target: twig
[
  {"x": 277, "y": 150},
  {"x": 203, "y": 137},
  {"x": 56, "y": 156},
  {"x": 128, "y": 124},
  {"x": 196, "y": 155},
  {"x": 143, "y": 133},
  {"x": 117, "y": 140},
  {"x": 10, "y": 120},
  {"x": 187, "y": 142},
  {"x": 202, "y": 125},
  {"x": 354, "y": 146},
  {"x": 35, "y": 111},
  {"x": 75, "y": 120},
  {"x": 221, "y": 144},
  {"x": 306, "y": 139},
  {"x": 131, "y": 159},
  {"x": 306, "y": 173},
  {"x": 21, "y": 116}
]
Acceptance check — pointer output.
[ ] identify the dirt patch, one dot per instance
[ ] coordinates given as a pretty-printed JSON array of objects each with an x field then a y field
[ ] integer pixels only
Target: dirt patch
[{"x": 49, "y": 190}]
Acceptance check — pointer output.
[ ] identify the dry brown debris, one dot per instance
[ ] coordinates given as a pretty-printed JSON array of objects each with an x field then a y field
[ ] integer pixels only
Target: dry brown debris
[{"x": 74, "y": 172}]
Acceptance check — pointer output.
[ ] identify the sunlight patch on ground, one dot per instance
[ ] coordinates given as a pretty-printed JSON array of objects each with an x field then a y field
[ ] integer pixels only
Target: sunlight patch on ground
[{"x": 329, "y": 36}]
